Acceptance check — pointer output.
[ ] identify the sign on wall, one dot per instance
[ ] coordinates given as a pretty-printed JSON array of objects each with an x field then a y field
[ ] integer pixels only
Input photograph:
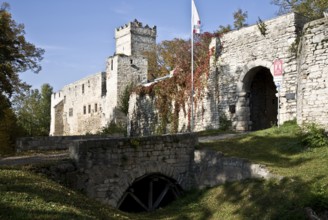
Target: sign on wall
[
  {"x": 278, "y": 69},
  {"x": 277, "y": 73}
]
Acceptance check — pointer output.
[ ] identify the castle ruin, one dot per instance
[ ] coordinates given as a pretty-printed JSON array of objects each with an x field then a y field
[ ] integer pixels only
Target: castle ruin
[
  {"x": 88, "y": 105},
  {"x": 241, "y": 87}
]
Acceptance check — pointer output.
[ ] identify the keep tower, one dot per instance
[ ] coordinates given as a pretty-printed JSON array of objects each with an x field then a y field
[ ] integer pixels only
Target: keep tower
[{"x": 133, "y": 39}]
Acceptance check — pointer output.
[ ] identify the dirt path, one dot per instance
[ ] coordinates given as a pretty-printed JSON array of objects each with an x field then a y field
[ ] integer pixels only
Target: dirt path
[
  {"x": 208, "y": 139},
  {"x": 33, "y": 159}
]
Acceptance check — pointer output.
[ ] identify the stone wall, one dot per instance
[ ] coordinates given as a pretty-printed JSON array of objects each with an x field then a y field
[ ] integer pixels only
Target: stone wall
[
  {"x": 212, "y": 168},
  {"x": 313, "y": 74},
  {"x": 134, "y": 38},
  {"x": 53, "y": 142},
  {"x": 107, "y": 167},
  {"x": 143, "y": 117},
  {"x": 78, "y": 107},
  {"x": 244, "y": 52}
]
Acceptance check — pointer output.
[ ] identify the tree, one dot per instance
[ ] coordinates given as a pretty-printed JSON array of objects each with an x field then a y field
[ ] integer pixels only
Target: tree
[
  {"x": 33, "y": 110},
  {"x": 239, "y": 22},
  {"x": 16, "y": 55},
  {"x": 313, "y": 9},
  {"x": 172, "y": 94},
  {"x": 9, "y": 131},
  {"x": 239, "y": 19},
  {"x": 224, "y": 29},
  {"x": 45, "y": 107}
]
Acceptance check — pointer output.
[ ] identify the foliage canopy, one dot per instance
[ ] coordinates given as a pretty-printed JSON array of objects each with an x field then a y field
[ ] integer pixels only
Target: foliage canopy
[
  {"x": 174, "y": 57},
  {"x": 313, "y": 9},
  {"x": 33, "y": 110},
  {"x": 16, "y": 55}
]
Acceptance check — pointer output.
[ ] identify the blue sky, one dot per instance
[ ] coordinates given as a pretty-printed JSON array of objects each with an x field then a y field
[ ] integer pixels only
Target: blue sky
[{"x": 78, "y": 35}]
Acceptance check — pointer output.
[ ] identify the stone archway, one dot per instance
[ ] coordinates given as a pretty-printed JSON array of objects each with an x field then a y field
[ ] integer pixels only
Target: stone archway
[
  {"x": 149, "y": 192},
  {"x": 257, "y": 105}
]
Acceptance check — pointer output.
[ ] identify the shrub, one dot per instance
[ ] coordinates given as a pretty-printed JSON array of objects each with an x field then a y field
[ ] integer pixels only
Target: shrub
[
  {"x": 9, "y": 131},
  {"x": 124, "y": 99},
  {"x": 314, "y": 136},
  {"x": 225, "y": 123},
  {"x": 112, "y": 128}
]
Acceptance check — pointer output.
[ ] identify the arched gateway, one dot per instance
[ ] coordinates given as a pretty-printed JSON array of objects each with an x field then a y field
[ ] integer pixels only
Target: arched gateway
[
  {"x": 257, "y": 102},
  {"x": 263, "y": 101}
]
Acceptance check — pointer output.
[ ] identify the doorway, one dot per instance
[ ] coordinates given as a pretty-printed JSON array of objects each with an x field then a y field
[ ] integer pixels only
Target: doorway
[{"x": 262, "y": 99}]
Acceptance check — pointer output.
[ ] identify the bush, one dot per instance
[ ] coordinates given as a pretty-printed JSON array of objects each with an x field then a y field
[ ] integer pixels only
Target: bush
[
  {"x": 314, "y": 136},
  {"x": 225, "y": 123},
  {"x": 125, "y": 98},
  {"x": 112, "y": 128},
  {"x": 9, "y": 131}
]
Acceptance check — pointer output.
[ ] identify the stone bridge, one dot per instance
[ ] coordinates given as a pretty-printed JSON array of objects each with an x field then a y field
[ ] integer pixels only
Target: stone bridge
[{"x": 142, "y": 174}]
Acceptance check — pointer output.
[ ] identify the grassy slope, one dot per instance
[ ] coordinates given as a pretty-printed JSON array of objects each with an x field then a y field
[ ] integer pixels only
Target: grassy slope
[
  {"x": 305, "y": 183},
  {"x": 24, "y": 195}
]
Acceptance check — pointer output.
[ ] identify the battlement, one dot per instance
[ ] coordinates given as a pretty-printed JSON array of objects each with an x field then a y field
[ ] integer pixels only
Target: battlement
[
  {"x": 134, "y": 38},
  {"x": 137, "y": 26}
]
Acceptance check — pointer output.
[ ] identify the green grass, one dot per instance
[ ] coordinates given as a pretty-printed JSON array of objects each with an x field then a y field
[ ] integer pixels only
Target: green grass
[{"x": 26, "y": 195}]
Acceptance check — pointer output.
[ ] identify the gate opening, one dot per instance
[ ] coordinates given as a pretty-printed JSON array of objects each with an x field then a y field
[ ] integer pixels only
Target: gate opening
[
  {"x": 148, "y": 193},
  {"x": 263, "y": 100}
]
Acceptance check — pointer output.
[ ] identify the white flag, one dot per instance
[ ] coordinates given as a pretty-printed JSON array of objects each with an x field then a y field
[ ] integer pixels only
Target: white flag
[{"x": 195, "y": 19}]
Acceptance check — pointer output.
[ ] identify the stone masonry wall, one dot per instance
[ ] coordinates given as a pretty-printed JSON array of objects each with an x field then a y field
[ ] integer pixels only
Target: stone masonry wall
[
  {"x": 212, "y": 168},
  {"x": 227, "y": 93},
  {"x": 53, "y": 142},
  {"x": 107, "y": 167},
  {"x": 143, "y": 117},
  {"x": 134, "y": 38},
  {"x": 246, "y": 49},
  {"x": 313, "y": 74},
  {"x": 77, "y": 109}
]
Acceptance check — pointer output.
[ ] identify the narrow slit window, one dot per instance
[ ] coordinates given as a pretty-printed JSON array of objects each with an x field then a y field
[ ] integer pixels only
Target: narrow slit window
[{"x": 70, "y": 113}]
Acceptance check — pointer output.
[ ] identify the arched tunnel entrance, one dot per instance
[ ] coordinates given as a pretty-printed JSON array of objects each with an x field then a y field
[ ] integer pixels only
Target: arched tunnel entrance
[
  {"x": 148, "y": 193},
  {"x": 262, "y": 99}
]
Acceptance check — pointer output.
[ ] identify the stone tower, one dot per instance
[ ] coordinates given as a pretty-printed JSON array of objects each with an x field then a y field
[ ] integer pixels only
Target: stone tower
[
  {"x": 86, "y": 106},
  {"x": 134, "y": 38}
]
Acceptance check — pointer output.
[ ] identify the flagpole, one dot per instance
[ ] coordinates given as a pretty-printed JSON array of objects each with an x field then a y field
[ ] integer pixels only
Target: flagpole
[{"x": 192, "y": 70}]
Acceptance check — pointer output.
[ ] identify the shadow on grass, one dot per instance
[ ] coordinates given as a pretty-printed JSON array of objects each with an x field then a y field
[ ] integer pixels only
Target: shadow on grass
[
  {"x": 188, "y": 207},
  {"x": 249, "y": 199},
  {"x": 285, "y": 199},
  {"x": 24, "y": 195},
  {"x": 270, "y": 150}
]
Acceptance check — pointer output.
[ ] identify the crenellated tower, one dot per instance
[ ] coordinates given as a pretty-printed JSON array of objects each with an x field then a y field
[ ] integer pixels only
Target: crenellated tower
[{"x": 134, "y": 39}]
